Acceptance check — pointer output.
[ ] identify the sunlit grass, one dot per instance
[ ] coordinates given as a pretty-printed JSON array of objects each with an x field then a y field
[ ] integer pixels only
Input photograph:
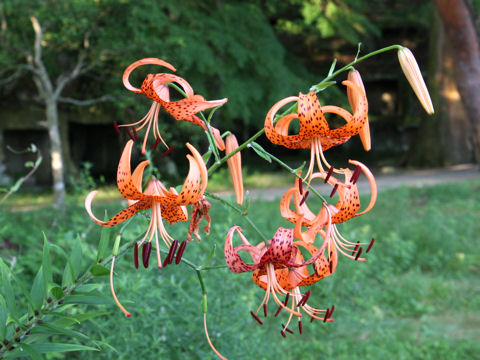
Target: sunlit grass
[{"x": 416, "y": 297}]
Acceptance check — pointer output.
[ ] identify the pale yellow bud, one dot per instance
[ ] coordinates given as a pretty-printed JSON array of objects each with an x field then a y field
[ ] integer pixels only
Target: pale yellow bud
[
  {"x": 354, "y": 76},
  {"x": 414, "y": 76},
  {"x": 235, "y": 166}
]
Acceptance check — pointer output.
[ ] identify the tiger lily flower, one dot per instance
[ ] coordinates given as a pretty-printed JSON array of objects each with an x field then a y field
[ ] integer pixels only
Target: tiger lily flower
[
  {"x": 291, "y": 279},
  {"x": 315, "y": 133},
  {"x": 347, "y": 207},
  {"x": 164, "y": 203},
  {"x": 279, "y": 254},
  {"x": 155, "y": 87}
]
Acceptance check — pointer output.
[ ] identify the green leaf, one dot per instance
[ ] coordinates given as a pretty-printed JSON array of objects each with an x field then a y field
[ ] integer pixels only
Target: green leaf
[
  {"x": 39, "y": 290},
  {"x": 52, "y": 329},
  {"x": 104, "y": 240},
  {"x": 76, "y": 257},
  {"x": 46, "y": 263},
  {"x": 93, "y": 299},
  {"x": 322, "y": 86},
  {"x": 260, "y": 151},
  {"x": 35, "y": 355},
  {"x": 332, "y": 68},
  {"x": 7, "y": 290},
  {"x": 208, "y": 259},
  {"x": 3, "y": 316},
  {"x": 99, "y": 270},
  {"x": 58, "y": 347},
  {"x": 207, "y": 156},
  {"x": 68, "y": 274},
  {"x": 57, "y": 292}
]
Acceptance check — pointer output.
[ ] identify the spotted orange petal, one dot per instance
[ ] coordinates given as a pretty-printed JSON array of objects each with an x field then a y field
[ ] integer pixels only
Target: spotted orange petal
[
  {"x": 133, "y": 66},
  {"x": 125, "y": 183},
  {"x": 353, "y": 99},
  {"x": 123, "y": 215},
  {"x": 233, "y": 259}
]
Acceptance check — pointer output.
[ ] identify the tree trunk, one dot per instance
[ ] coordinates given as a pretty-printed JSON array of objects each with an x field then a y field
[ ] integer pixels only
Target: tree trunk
[
  {"x": 463, "y": 40},
  {"x": 56, "y": 153}
]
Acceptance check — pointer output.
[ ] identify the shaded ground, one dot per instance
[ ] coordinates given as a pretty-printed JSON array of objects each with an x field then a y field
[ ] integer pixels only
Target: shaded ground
[{"x": 415, "y": 178}]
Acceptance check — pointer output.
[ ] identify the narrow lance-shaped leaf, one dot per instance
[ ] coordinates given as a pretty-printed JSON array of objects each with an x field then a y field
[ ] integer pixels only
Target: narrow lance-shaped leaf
[
  {"x": 3, "y": 316},
  {"x": 39, "y": 291},
  {"x": 31, "y": 352},
  {"x": 76, "y": 257},
  {"x": 58, "y": 347},
  {"x": 46, "y": 263},
  {"x": 260, "y": 151},
  {"x": 7, "y": 289}
]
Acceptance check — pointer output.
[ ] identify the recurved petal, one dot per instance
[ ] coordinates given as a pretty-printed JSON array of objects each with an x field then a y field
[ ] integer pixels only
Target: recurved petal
[
  {"x": 137, "y": 175},
  {"x": 355, "y": 122},
  {"x": 123, "y": 215},
  {"x": 163, "y": 78},
  {"x": 321, "y": 266},
  {"x": 184, "y": 109},
  {"x": 233, "y": 260},
  {"x": 174, "y": 213},
  {"x": 133, "y": 66},
  {"x": 280, "y": 249},
  {"x": 125, "y": 182},
  {"x": 280, "y": 136},
  {"x": 310, "y": 114},
  {"x": 373, "y": 186}
]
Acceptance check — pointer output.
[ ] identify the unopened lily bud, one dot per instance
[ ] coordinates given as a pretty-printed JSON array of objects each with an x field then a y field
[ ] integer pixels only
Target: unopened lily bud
[
  {"x": 353, "y": 98},
  {"x": 235, "y": 167},
  {"x": 414, "y": 76}
]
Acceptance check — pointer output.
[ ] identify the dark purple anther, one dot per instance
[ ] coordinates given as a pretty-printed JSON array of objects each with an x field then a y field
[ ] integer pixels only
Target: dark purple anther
[
  {"x": 358, "y": 254},
  {"x": 130, "y": 134},
  {"x": 135, "y": 255},
  {"x": 278, "y": 311},
  {"x": 300, "y": 326},
  {"x": 285, "y": 302},
  {"x": 181, "y": 249},
  {"x": 265, "y": 310},
  {"x": 330, "y": 172},
  {"x": 371, "y": 244},
  {"x": 287, "y": 329},
  {"x": 171, "y": 253},
  {"x": 300, "y": 186},
  {"x": 146, "y": 251},
  {"x": 334, "y": 190},
  {"x": 304, "y": 299},
  {"x": 117, "y": 129},
  {"x": 356, "y": 174},
  {"x": 304, "y": 197},
  {"x": 170, "y": 149},
  {"x": 256, "y": 317}
]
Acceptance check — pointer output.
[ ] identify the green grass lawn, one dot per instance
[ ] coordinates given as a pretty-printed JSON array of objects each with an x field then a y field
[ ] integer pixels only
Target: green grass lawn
[{"x": 416, "y": 297}]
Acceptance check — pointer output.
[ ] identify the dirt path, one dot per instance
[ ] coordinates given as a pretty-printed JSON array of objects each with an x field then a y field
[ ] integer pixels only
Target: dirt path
[{"x": 415, "y": 178}]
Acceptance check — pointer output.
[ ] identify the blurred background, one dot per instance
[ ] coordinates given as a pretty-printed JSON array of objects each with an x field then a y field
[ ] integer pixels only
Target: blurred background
[{"x": 61, "y": 65}]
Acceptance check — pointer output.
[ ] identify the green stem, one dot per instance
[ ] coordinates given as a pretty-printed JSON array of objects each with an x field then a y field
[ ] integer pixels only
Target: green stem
[
  {"x": 354, "y": 62},
  {"x": 241, "y": 212}
]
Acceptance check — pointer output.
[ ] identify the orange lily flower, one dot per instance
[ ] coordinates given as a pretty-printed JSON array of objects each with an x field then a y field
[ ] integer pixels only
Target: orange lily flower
[
  {"x": 165, "y": 204},
  {"x": 154, "y": 87},
  {"x": 235, "y": 167},
  {"x": 291, "y": 279},
  {"x": 347, "y": 207},
  {"x": 315, "y": 133},
  {"x": 271, "y": 266}
]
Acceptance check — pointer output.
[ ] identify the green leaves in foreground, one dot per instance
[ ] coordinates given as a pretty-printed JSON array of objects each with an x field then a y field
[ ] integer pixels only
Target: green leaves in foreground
[{"x": 45, "y": 325}]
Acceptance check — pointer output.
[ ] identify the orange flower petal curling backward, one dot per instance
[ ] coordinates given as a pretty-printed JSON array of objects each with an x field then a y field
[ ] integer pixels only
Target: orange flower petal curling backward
[
  {"x": 313, "y": 123},
  {"x": 154, "y": 87},
  {"x": 169, "y": 201},
  {"x": 353, "y": 99}
]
